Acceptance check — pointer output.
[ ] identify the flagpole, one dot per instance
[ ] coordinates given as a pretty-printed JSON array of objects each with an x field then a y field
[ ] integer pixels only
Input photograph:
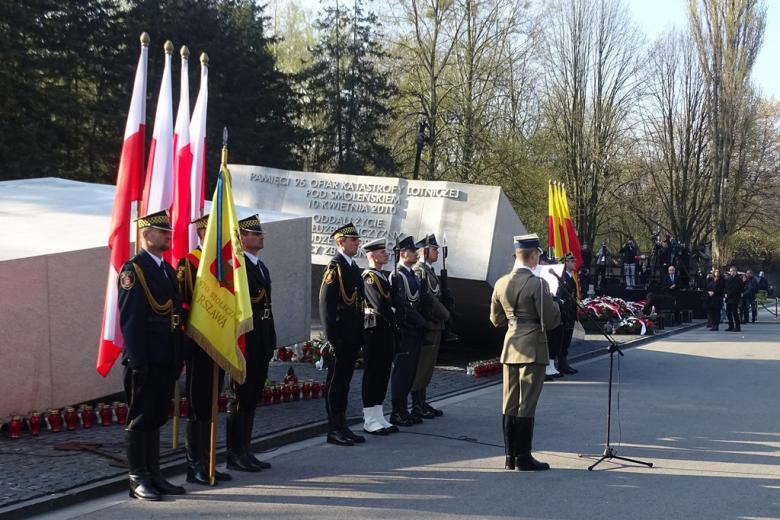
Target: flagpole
[{"x": 145, "y": 39}]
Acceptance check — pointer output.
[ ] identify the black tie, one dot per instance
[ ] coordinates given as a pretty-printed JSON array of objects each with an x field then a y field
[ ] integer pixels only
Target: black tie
[
  {"x": 162, "y": 268},
  {"x": 260, "y": 270}
]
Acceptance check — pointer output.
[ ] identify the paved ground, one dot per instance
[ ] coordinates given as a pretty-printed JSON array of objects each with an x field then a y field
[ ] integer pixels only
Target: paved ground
[{"x": 702, "y": 406}]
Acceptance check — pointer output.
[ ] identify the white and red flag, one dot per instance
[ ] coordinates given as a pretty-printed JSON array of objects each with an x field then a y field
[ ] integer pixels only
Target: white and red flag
[
  {"x": 129, "y": 183},
  {"x": 182, "y": 167},
  {"x": 158, "y": 191},
  {"x": 198, "y": 146}
]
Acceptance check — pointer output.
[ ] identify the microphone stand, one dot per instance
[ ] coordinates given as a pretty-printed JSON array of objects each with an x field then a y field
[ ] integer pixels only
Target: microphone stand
[{"x": 609, "y": 451}]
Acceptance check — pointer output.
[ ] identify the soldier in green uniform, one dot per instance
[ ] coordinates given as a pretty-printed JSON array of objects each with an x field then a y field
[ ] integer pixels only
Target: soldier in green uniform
[
  {"x": 522, "y": 302},
  {"x": 200, "y": 371},
  {"x": 436, "y": 315},
  {"x": 150, "y": 319},
  {"x": 341, "y": 313}
]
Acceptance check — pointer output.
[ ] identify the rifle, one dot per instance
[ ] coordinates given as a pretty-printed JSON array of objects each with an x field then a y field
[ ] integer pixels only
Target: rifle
[{"x": 443, "y": 272}]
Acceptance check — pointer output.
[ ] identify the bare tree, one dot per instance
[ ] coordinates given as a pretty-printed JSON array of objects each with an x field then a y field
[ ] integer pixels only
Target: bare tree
[{"x": 728, "y": 36}]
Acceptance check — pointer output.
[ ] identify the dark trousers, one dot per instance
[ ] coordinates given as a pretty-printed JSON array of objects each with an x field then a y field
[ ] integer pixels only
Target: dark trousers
[
  {"x": 404, "y": 369},
  {"x": 713, "y": 316},
  {"x": 340, "y": 370},
  {"x": 200, "y": 375},
  {"x": 554, "y": 340},
  {"x": 732, "y": 312},
  {"x": 378, "y": 361},
  {"x": 748, "y": 307},
  {"x": 148, "y": 391},
  {"x": 566, "y": 336},
  {"x": 246, "y": 394}
]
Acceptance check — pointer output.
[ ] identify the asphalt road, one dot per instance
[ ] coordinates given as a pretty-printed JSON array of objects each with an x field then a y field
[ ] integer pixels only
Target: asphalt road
[{"x": 701, "y": 406}]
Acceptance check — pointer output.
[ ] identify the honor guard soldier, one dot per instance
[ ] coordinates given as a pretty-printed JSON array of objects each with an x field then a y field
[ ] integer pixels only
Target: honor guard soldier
[
  {"x": 260, "y": 344},
  {"x": 436, "y": 315},
  {"x": 407, "y": 299},
  {"x": 378, "y": 338},
  {"x": 567, "y": 296},
  {"x": 522, "y": 302},
  {"x": 150, "y": 319},
  {"x": 341, "y": 314},
  {"x": 200, "y": 370}
]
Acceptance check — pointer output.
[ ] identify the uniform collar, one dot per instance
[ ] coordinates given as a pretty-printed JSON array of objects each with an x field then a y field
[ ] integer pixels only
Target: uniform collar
[
  {"x": 518, "y": 265},
  {"x": 252, "y": 258},
  {"x": 348, "y": 258},
  {"x": 157, "y": 260}
]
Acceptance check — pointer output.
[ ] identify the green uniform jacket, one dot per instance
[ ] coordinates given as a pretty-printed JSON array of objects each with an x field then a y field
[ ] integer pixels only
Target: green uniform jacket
[{"x": 523, "y": 302}]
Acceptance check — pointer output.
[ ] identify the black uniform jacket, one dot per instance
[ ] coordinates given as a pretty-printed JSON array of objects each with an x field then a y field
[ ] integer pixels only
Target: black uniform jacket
[
  {"x": 408, "y": 312},
  {"x": 263, "y": 335},
  {"x": 379, "y": 295},
  {"x": 567, "y": 292},
  {"x": 341, "y": 303},
  {"x": 147, "y": 332}
]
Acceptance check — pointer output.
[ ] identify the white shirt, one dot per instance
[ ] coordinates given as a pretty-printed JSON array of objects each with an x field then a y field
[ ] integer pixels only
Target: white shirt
[{"x": 347, "y": 257}]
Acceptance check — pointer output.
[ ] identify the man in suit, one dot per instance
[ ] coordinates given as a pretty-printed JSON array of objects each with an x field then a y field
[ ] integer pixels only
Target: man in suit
[
  {"x": 379, "y": 327},
  {"x": 567, "y": 294},
  {"x": 150, "y": 319},
  {"x": 672, "y": 281},
  {"x": 260, "y": 344},
  {"x": 200, "y": 372},
  {"x": 408, "y": 295},
  {"x": 522, "y": 301},
  {"x": 733, "y": 297},
  {"x": 436, "y": 315},
  {"x": 341, "y": 313}
]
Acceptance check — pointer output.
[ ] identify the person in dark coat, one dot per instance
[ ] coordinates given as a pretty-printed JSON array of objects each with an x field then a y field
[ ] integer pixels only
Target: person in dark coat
[
  {"x": 714, "y": 299},
  {"x": 749, "y": 291},
  {"x": 567, "y": 294},
  {"x": 341, "y": 304},
  {"x": 733, "y": 297},
  {"x": 672, "y": 281},
  {"x": 260, "y": 344},
  {"x": 150, "y": 319}
]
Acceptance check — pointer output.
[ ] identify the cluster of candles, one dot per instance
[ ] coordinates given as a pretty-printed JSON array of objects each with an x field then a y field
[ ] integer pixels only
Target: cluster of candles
[
  {"x": 484, "y": 368},
  {"x": 69, "y": 419}
]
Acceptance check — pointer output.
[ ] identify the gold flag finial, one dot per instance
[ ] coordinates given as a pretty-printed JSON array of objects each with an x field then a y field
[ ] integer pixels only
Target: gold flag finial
[
  {"x": 224, "y": 147},
  {"x": 204, "y": 58},
  {"x": 168, "y": 47},
  {"x": 145, "y": 39},
  {"x": 185, "y": 52}
]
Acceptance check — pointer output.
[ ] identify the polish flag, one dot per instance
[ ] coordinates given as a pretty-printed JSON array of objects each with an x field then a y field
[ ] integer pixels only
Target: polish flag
[
  {"x": 128, "y": 189},
  {"x": 198, "y": 146},
  {"x": 158, "y": 191},
  {"x": 182, "y": 167}
]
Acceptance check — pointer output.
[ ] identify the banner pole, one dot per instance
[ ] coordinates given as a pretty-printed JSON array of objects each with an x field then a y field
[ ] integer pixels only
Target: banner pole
[{"x": 213, "y": 430}]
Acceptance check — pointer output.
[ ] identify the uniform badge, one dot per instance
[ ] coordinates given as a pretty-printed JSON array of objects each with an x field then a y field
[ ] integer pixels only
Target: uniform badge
[
  {"x": 330, "y": 276},
  {"x": 127, "y": 279},
  {"x": 370, "y": 280}
]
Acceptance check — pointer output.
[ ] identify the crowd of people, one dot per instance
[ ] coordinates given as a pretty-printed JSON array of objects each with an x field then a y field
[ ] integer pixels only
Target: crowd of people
[{"x": 733, "y": 296}]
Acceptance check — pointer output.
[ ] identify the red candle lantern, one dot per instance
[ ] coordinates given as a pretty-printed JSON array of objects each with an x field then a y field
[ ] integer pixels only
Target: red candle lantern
[
  {"x": 15, "y": 427},
  {"x": 87, "y": 416},
  {"x": 296, "y": 391},
  {"x": 183, "y": 407},
  {"x": 223, "y": 401},
  {"x": 34, "y": 423},
  {"x": 71, "y": 418},
  {"x": 104, "y": 411},
  {"x": 315, "y": 389},
  {"x": 306, "y": 390},
  {"x": 120, "y": 409},
  {"x": 287, "y": 393},
  {"x": 277, "y": 393},
  {"x": 268, "y": 396},
  {"x": 55, "y": 420}
]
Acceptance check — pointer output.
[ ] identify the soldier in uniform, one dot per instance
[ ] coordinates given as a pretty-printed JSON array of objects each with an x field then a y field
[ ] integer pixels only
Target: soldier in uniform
[
  {"x": 200, "y": 370},
  {"x": 567, "y": 294},
  {"x": 150, "y": 319},
  {"x": 260, "y": 344},
  {"x": 341, "y": 313},
  {"x": 436, "y": 315},
  {"x": 378, "y": 338},
  {"x": 522, "y": 301},
  {"x": 407, "y": 300}
]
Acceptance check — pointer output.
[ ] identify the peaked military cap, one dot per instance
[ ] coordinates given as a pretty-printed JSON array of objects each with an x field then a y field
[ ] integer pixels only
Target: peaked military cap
[
  {"x": 569, "y": 256},
  {"x": 202, "y": 222},
  {"x": 347, "y": 230},
  {"x": 158, "y": 220},
  {"x": 251, "y": 223},
  {"x": 375, "y": 245},
  {"x": 406, "y": 243},
  {"x": 428, "y": 241},
  {"x": 530, "y": 241}
]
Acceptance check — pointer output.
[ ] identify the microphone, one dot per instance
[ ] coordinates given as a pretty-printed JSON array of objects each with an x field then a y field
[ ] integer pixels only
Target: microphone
[{"x": 552, "y": 272}]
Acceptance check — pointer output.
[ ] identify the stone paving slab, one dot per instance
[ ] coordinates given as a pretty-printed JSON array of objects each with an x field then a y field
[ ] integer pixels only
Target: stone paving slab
[{"x": 34, "y": 469}]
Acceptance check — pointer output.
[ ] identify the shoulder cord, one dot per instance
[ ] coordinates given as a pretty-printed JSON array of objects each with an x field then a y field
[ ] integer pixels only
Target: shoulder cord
[
  {"x": 378, "y": 284},
  {"x": 161, "y": 309},
  {"x": 411, "y": 297},
  {"x": 348, "y": 300}
]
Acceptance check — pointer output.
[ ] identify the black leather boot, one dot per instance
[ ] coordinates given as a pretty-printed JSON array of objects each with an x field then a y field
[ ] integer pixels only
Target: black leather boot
[
  {"x": 400, "y": 417},
  {"x": 235, "y": 448},
  {"x": 357, "y": 439},
  {"x": 509, "y": 441},
  {"x": 564, "y": 367},
  {"x": 336, "y": 435},
  {"x": 418, "y": 408},
  {"x": 524, "y": 434},
  {"x": 249, "y": 426},
  {"x": 140, "y": 484},
  {"x": 153, "y": 465},
  {"x": 196, "y": 472},
  {"x": 435, "y": 411}
]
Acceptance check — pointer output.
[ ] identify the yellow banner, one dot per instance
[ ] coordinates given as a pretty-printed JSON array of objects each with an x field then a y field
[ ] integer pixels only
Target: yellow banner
[{"x": 221, "y": 311}]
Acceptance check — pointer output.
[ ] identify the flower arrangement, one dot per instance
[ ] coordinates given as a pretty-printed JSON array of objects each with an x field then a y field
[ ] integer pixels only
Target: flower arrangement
[
  {"x": 624, "y": 317},
  {"x": 484, "y": 368}
]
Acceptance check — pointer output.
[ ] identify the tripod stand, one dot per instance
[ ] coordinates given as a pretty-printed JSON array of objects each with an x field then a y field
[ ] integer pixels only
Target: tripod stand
[{"x": 609, "y": 451}]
